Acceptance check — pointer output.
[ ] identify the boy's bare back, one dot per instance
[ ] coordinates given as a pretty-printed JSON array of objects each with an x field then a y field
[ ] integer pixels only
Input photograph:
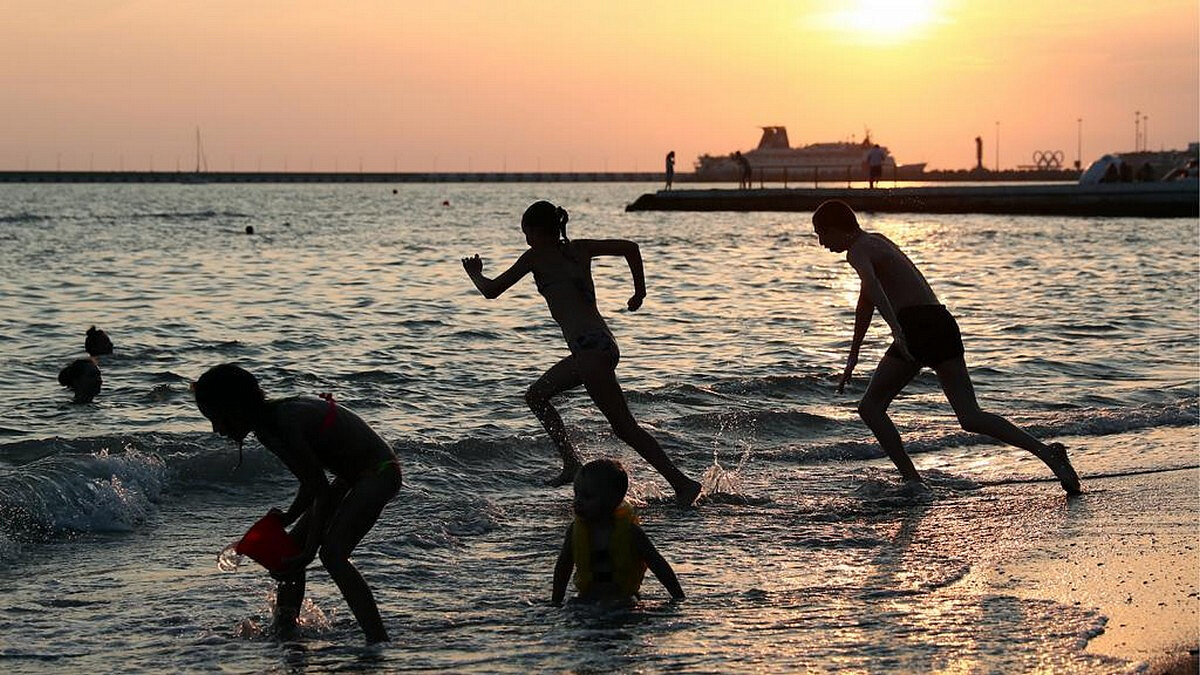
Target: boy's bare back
[{"x": 898, "y": 276}]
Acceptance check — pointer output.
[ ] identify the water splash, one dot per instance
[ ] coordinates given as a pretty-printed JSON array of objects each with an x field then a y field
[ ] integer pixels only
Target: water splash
[{"x": 228, "y": 560}]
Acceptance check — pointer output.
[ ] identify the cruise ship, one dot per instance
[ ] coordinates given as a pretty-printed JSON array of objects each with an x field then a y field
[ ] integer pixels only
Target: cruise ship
[{"x": 776, "y": 160}]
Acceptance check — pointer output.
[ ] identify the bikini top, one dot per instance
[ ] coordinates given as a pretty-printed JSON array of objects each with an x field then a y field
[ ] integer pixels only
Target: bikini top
[{"x": 582, "y": 283}]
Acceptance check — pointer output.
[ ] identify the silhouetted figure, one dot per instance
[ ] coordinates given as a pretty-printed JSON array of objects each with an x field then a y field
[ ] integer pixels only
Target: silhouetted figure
[
  {"x": 561, "y": 268},
  {"x": 1112, "y": 173},
  {"x": 312, "y": 436},
  {"x": 744, "y": 171},
  {"x": 670, "y": 168},
  {"x": 81, "y": 376},
  {"x": 1126, "y": 172},
  {"x": 96, "y": 342},
  {"x": 605, "y": 545},
  {"x": 978, "y": 153},
  {"x": 874, "y": 165},
  {"x": 924, "y": 335}
]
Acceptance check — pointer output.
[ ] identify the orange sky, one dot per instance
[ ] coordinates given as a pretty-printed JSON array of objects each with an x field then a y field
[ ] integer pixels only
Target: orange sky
[{"x": 453, "y": 85}]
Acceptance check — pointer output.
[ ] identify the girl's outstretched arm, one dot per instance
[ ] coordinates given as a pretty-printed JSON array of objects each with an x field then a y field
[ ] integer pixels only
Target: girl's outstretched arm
[
  {"x": 492, "y": 288},
  {"x": 632, "y": 254}
]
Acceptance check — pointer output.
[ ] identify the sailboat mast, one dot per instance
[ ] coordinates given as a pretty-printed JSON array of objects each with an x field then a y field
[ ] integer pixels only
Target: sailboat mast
[{"x": 201, "y": 160}]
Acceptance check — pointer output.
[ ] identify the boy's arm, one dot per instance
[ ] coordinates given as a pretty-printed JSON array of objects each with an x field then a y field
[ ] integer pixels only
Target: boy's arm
[
  {"x": 860, "y": 259},
  {"x": 492, "y": 288},
  {"x": 862, "y": 321},
  {"x": 661, "y": 568},
  {"x": 563, "y": 569},
  {"x": 633, "y": 256}
]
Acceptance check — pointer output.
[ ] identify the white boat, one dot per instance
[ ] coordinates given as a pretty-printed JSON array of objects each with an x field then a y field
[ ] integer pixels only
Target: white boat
[{"x": 774, "y": 160}]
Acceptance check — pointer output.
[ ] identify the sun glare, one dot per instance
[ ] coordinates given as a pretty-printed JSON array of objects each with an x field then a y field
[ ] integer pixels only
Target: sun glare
[{"x": 884, "y": 21}]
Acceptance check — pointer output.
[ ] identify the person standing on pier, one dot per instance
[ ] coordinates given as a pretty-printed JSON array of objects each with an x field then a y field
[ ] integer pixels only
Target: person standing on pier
[
  {"x": 670, "y": 168},
  {"x": 744, "y": 171},
  {"x": 874, "y": 165}
]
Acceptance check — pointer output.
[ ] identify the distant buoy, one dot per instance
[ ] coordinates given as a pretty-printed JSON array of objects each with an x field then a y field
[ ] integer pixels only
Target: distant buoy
[
  {"x": 445, "y": 202},
  {"x": 249, "y": 229},
  {"x": 393, "y": 190}
]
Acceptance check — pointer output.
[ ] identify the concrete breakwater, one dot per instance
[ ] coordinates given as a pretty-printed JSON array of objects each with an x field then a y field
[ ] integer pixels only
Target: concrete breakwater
[
  {"x": 1179, "y": 199},
  {"x": 326, "y": 177}
]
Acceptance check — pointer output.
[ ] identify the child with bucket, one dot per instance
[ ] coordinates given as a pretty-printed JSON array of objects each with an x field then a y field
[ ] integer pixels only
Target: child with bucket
[{"x": 311, "y": 436}]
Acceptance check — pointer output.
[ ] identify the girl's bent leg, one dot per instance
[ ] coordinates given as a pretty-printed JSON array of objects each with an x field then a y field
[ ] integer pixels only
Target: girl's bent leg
[
  {"x": 606, "y": 392},
  {"x": 561, "y": 377},
  {"x": 354, "y": 517}
]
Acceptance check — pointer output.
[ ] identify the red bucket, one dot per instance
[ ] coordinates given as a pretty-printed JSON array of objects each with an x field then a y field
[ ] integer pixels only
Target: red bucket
[{"x": 268, "y": 543}]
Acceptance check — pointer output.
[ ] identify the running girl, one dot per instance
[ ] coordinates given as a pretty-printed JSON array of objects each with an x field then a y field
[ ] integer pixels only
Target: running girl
[{"x": 562, "y": 271}]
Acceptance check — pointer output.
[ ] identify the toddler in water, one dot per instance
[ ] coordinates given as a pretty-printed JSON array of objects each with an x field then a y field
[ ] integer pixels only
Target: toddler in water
[
  {"x": 82, "y": 376},
  {"x": 310, "y": 436},
  {"x": 924, "y": 334},
  {"x": 562, "y": 270},
  {"x": 605, "y": 546}
]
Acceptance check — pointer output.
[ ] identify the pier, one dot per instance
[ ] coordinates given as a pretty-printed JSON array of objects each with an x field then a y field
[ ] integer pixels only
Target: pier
[
  {"x": 1177, "y": 199},
  {"x": 197, "y": 177}
]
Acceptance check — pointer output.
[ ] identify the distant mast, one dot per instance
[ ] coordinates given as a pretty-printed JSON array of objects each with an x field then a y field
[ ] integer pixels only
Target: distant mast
[{"x": 201, "y": 160}]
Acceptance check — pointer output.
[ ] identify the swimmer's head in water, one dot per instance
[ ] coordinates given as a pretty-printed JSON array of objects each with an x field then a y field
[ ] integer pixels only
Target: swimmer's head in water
[
  {"x": 229, "y": 396},
  {"x": 600, "y": 487},
  {"x": 836, "y": 225},
  {"x": 544, "y": 223},
  {"x": 97, "y": 343}
]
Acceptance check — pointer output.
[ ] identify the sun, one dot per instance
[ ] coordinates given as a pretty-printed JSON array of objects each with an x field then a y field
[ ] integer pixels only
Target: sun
[{"x": 884, "y": 21}]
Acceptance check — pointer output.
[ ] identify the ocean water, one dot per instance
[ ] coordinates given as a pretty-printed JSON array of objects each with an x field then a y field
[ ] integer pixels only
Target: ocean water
[{"x": 806, "y": 556}]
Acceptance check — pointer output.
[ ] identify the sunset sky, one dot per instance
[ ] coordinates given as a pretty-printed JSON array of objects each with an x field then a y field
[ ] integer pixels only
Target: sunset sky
[{"x": 523, "y": 85}]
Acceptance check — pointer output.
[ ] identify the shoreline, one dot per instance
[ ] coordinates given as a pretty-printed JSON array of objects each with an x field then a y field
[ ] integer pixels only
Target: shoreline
[{"x": 1129, "y": 549}]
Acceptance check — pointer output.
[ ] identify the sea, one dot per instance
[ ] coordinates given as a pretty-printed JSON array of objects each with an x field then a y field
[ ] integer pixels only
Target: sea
[{"x": 805, "y": 553}]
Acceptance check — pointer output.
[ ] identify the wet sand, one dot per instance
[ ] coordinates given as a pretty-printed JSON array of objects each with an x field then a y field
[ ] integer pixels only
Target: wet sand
[{"x": 1130, "y": 549}]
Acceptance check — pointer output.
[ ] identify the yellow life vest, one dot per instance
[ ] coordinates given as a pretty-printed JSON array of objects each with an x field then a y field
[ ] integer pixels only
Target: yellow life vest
[{"x": 628, "y": 568}]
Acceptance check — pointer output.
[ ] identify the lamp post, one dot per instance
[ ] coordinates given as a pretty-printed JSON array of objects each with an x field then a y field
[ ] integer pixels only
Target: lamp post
[
  {"x": 1137, "y": 128},
  {"x": 997, "y": 146},
  {"x": 1079, "y": 145}
]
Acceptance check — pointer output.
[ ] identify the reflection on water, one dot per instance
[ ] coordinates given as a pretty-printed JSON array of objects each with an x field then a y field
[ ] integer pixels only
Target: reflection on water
[{"x": 806, "y": 553}]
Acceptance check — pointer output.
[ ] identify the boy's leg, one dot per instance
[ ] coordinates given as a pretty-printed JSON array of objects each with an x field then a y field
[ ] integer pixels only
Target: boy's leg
[
  {"x": 956, "y": 383},
  {"x": 355, "y": 516},
  {"x": 601, "y": 382},
  {"x": 561, "y": 377},
  {"x": 891, "y": 376}
]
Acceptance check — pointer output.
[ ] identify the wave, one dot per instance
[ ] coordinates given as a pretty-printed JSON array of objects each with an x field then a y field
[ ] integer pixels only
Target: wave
[
  {"x": 1080, "y": 422},
  {"x": 54, "y": 487},
  {"x": 208, "y": 214},
  {"x": 23, "y": 217},
  {"x": 100, "y": 492}
]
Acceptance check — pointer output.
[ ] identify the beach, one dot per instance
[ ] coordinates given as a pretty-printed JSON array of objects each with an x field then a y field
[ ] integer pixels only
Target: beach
[
  {"x": 1134, "y": 560},
  {"x": 806, "y": 554}
]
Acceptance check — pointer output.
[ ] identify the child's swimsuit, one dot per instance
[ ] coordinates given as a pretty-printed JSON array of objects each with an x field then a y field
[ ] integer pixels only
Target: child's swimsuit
[
  {"x": 931, "y": 333},
  {"x": 598, "y": 340},
  {"x": 327, "y": 423},
  {"x": 627, "y": 567}
]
